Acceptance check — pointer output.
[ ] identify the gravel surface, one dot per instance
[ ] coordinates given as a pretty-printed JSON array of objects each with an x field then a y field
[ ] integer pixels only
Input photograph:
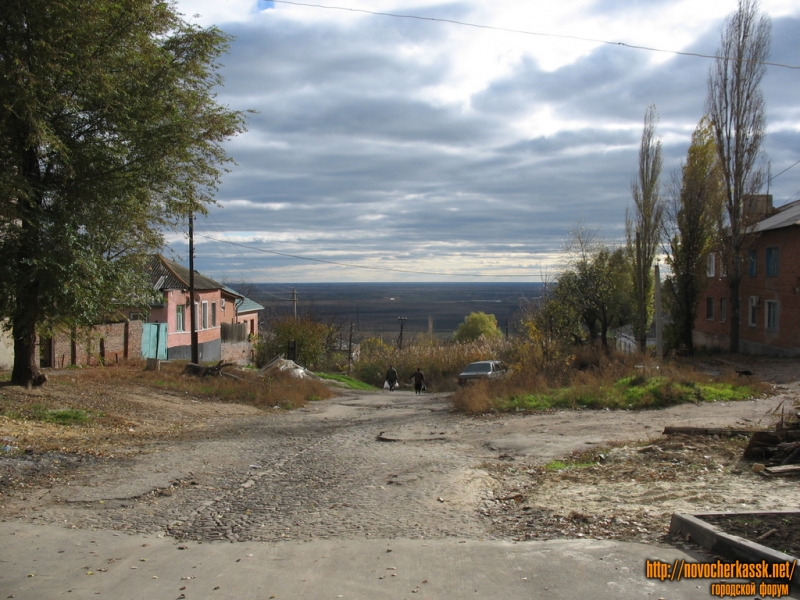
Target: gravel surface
[{"x": 385, "y": 465}]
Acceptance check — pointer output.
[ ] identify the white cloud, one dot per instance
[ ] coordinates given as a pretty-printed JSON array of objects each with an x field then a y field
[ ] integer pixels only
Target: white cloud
[{"x": 451, "y": 148}]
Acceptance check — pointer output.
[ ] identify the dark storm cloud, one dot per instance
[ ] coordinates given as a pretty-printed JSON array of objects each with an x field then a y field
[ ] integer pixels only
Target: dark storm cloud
[{"x": 354, "y": 157}]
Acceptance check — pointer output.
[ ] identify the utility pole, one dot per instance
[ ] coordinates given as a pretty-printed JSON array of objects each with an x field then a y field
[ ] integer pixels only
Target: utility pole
[
  {"x": 659, "y": 325},
  {"x": 402, "y": 321},
  {"x": 350, "y": 351},
  {"x": 192, "y": 308},
  {"x": 294, "y": 302}
]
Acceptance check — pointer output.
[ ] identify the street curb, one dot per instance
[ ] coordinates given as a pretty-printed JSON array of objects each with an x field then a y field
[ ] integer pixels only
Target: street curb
[{"x": 731, "y": 546}]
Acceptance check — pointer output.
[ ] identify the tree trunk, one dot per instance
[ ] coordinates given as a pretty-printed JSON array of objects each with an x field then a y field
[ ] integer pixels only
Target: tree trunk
[
  {"x": 736, "y": 312},
  {"x": 26, "y": 360}
]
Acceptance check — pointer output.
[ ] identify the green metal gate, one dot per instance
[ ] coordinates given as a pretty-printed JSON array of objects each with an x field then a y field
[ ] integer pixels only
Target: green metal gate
[{"x": 154, "y": 340}]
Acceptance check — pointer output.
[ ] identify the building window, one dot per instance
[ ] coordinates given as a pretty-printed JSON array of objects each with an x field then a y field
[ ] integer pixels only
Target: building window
[
  {"x": 753, "y": 311},
  {"x": 205, "y": 315},
  {"x": 772, "y": 262},
  {"x": 213, "y": 314},
  {"x": 710, "y": 265},
  {"x": 723, "y": 310},
  {"x": 771, "y": 315},
  {"x": 179, "y": 318},
  {"x": 753, "y": 263},
  {"x": 137, "y": 316},
  {"x": 196, "y": 316},
  {"x": 710, "y": 309}
]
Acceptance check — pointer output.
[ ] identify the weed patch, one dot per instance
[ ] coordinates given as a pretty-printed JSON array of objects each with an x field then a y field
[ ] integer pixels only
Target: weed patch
[
  {"x": 58, "y": 416},
  {"x": 353, "y": 384},
  {"x": 611, "y": 384}
]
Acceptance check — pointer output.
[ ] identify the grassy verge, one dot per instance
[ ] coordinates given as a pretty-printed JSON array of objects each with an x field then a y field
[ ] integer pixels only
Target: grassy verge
[
  {"x": 248, "y": 386},
  {"x": 57, "y": 416},
  {"x": 614, "y": 386},
  {"x": 353, "y": 384}
]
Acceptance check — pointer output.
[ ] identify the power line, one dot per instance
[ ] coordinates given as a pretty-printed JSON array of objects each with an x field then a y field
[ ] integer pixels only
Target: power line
[
  {"x": 350, "y": 265},
  {"x": 784, "y": 171},
  {"x": 524, "y": 32},
  {"x": 240, "y": 253}
]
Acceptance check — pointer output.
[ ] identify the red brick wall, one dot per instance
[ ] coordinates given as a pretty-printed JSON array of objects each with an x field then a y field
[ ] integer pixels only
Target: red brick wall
[
  {"x": 109, "y": 343},
  {"x": 783, "y": 289}
]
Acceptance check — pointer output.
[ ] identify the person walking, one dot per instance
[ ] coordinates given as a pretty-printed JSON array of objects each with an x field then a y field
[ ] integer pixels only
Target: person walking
[
  {"x": 419, "y": 380},
  {"x": 391, "y": 378}
]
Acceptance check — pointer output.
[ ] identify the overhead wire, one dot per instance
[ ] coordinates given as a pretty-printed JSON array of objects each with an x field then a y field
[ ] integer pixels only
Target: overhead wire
[
  {"x": 243, "y": 257},
  {"x": 525, "y": 32}
]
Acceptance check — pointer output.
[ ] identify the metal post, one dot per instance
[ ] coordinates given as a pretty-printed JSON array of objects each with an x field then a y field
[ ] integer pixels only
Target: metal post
[
  {"x": 192, "y": 309},
  {"x": 659, "y": 342},
  {"x": 294, "y": 302},
  {"x": 350, "y": 351},
  {"x": 400, "y": 339}
]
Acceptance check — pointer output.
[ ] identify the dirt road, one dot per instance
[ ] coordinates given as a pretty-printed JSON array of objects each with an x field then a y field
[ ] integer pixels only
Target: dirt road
[{"x": 395, "y": 465}]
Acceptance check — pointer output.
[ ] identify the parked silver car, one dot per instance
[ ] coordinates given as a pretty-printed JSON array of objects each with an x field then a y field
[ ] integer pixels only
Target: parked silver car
[{"x": 484, "y": 369}]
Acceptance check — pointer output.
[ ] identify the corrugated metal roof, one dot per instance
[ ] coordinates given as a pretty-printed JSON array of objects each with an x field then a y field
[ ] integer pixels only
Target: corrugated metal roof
[
  {"x": 787, "y": 215},
  {"x": 243, "y": 304},
  {"x": 166, "y": 274},
  {"x": 246, "y": 305}
]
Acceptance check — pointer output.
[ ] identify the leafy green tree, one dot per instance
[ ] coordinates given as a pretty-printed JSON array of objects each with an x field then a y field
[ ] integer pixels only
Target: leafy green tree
[
  {"x": 475, "y": 325},
  {"x": 594, "y": 284},
  {"x": 109, "y": 133},
  {"x": 691, "y": 218},
  {"x": 312, "y": 337},
  {"x": 643, "y": 226}
]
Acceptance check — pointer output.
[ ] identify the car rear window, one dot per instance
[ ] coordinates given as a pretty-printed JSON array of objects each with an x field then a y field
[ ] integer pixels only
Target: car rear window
[{"x": 478, "y": 368}]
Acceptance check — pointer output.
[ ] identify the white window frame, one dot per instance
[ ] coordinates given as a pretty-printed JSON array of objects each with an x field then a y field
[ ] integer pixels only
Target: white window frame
[
  {"x": 752, "y": 311},
  {"x": 204, "y": 319},
  {"x": 180, "y": 318},
  {"x": 710, "y": 264},
  {"x": 213, "y": 314},
  {"x": 771, "y": 309}
]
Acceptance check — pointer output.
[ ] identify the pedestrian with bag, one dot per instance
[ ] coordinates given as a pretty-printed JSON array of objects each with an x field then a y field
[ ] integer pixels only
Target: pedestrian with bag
[
  {"x": 419, "y": 380},
  {"x": 391, "y": 378}
]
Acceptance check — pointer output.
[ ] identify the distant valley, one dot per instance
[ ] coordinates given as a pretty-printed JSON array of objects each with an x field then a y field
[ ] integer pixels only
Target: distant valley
[{"x": 374, "y": 308}]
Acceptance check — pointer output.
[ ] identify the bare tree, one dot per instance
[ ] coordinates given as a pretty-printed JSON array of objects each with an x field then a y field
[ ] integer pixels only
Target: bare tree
[
  {"x": 643, "y": 227},
  {"x": 735, "y": 105}
]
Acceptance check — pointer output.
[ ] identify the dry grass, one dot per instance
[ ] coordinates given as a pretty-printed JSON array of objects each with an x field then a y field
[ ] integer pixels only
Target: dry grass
[
  {"x": 441, "y": 362},
  {"x": 248, "y": 387},
  {"x": 596, "y": 380}
]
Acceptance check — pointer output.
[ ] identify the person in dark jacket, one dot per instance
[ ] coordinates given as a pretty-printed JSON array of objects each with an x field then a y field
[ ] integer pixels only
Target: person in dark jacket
[
  {"x": 419, "y": 380},
  {"x": 391, "y": 378}
]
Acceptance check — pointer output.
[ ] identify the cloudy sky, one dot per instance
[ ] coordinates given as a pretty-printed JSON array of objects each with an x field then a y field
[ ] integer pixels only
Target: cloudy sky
[{"x": 414, "y": 146}]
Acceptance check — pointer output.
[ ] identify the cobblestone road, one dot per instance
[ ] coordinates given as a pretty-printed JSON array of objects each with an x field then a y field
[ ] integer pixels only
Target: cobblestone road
[{"x": 319, "y": 473}]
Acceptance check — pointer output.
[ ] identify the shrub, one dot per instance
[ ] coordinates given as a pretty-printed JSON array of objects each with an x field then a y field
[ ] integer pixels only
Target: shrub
[{"x": 477, "y": 325}]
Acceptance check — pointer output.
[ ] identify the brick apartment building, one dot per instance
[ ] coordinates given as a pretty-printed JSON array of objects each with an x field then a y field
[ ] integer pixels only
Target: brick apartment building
[{"x": 769, "y": 292}]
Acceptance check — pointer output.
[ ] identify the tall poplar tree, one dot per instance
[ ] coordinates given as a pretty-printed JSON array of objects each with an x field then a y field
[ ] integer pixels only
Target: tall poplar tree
[
  {"x": 109, "y": 132},
  {"x": 735, "y": 105},
  {"x": 643, "y": 226}
]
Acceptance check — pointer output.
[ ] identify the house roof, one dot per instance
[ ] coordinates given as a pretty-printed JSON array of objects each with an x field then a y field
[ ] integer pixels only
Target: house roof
[
  {"x": 166, "y": 274},
  {"x": 246, "y": 305},
  {"x": 243, "y": 303},
  {"x": 787, "y": 215}
]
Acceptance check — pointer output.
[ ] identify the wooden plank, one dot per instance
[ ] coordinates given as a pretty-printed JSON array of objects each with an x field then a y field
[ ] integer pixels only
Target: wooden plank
[
  {"x": 784, "y": 470},
  {"x": 723, "y": 431}
]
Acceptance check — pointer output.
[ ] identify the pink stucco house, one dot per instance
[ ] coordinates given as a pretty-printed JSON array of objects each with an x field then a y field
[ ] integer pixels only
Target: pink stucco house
[{"x": 214, "y": 303}]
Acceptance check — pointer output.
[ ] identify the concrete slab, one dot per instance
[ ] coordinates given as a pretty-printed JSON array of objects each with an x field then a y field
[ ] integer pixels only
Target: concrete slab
[
  {"x": 734, "y": 547},
  {"x": 44, "y": 562}
]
